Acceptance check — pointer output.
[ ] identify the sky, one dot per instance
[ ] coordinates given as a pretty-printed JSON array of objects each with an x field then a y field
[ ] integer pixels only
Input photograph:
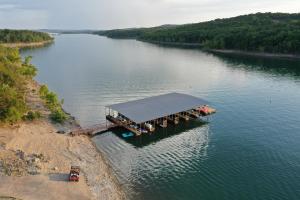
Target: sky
[{"x": 110, "y": 14}]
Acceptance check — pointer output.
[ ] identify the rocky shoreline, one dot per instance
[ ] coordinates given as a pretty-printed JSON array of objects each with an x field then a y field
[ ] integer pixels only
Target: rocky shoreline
[
  {"x": 34, "y": 154},
  {"x": 255, "y": 54},
  {"x": 26, "y": 44}
]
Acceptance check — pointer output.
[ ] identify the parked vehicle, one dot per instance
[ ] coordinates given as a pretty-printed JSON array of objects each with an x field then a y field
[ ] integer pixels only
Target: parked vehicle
[
  {"x": 74, "y": 173},
  {"x": 127, "y": 135}
]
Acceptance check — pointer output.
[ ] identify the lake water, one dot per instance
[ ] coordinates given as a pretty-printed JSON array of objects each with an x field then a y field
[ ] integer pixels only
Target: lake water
[{"x": 250, "y": 149}]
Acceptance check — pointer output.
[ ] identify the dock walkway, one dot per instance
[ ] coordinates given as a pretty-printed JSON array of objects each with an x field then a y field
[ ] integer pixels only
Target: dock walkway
[{"x": 93, "y": 130}]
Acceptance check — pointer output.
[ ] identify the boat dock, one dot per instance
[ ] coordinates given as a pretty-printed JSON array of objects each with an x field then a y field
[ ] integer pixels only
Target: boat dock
[{"x": 142, "y": 116}]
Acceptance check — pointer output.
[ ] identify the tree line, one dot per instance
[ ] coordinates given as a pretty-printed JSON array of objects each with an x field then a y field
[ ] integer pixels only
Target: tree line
[
  {"x": 260, "y": 32},
  {"x": 22, "y": 36}
]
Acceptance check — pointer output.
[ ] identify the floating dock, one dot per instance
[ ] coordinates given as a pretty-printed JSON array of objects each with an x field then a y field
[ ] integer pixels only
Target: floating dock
[{"x": 142, "y": 116}]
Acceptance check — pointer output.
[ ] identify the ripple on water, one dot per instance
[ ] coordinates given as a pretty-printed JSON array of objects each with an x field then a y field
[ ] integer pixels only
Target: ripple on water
[{"x": 163, "y": 161}]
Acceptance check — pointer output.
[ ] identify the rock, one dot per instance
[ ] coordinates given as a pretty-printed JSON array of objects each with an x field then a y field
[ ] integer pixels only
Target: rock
[
  {"x": 61, "y": 131},
  {"x": 32, "y": 171},
  {"x": 42, "y": 157},
  {"x": 55, "y": 168},
  {"x": 21, "y": 154},
  {"x": 38, "y": 165},
  {"x": 64, "y": 131}
]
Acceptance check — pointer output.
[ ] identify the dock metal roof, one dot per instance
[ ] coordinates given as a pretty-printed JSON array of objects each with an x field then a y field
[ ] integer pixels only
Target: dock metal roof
[{"x": 157, "y": 106}]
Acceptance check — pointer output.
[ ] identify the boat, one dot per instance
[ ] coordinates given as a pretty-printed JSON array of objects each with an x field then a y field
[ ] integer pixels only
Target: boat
[
  {"x": 127, "y": 134},
  {"x": 206, "y": 110},
  {"x": 143, "y": 130}
]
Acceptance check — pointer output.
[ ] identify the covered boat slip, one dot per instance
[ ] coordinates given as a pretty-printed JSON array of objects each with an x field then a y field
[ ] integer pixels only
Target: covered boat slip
[{"x": 141, "y": 116}]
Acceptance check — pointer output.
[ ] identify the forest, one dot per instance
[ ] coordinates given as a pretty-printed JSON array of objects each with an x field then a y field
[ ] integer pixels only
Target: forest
[
  {"x": 260, "y": 32},
  {"x": 23, "y": 36}
]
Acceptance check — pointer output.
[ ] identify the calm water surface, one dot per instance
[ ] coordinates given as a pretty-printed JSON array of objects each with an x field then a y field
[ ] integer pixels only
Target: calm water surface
[{"x": 249, "y": 150}]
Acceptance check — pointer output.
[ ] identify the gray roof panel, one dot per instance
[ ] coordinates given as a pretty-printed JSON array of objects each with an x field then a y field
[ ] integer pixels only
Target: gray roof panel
[{"x": 157, "y": 106}]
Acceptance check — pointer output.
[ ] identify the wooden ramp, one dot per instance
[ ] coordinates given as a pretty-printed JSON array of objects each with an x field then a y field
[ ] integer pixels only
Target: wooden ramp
[{"x": 92, "y": 130}]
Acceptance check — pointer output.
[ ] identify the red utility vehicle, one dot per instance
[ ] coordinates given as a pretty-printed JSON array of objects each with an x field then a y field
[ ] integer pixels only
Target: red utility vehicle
[
  {"x": 203, "y": 110},
  {"x": 74, "y": 173}
]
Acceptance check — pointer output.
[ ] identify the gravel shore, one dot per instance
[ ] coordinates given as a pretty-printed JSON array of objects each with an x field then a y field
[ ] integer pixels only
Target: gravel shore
[
  {"x": 35, "y": 160},
  {"x": 27, "y": 44}
]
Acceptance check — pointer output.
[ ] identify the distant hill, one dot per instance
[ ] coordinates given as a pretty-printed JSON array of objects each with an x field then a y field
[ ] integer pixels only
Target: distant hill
[
  {"x": 132, "y": 33},
  {"x": 23, "y": 36},
  {"x": 260, "y": 32}
]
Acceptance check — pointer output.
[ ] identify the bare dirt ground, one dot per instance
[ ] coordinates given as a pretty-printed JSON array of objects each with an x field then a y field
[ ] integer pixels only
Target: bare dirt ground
[
  {"x": 41, "y": 187},
  {"x": 35, "y": 161},
  {"x": 58, "y": 152}
]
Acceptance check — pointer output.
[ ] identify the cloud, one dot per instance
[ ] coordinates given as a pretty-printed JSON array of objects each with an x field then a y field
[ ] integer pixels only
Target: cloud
[
  {"x": 4, "y": 7},
  {"x": 15, "y": 17},
  {"x": 107, "y": 14}
]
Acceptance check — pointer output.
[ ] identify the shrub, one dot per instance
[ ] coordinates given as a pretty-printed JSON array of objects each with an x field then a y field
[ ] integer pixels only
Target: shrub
[
  {"x": 43, "y": 91},
  {"x": 52, "y": 100},
  {"x": 12, "y": 105},
  {"x": 58, "y": 115},
  {"x": 13, "y": 114},
  {"x": 27, "y": 69},
  {"x": 53, "y": 103},
  {"x": 32, "y": 115}
]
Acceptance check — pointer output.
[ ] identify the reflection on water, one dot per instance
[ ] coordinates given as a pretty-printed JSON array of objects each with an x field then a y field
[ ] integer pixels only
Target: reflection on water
[
  {"x": 160, "y": 133},
  {"x": 157, "y": 160},
  {"x": 249, "y": 150},
  {"x": 276, "y": 66}
]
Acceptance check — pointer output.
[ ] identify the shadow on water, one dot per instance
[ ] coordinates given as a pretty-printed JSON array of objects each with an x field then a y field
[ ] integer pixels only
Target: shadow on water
[
  {"x": 275, "y": 66},
  {"x": 160, "y": 133}
]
